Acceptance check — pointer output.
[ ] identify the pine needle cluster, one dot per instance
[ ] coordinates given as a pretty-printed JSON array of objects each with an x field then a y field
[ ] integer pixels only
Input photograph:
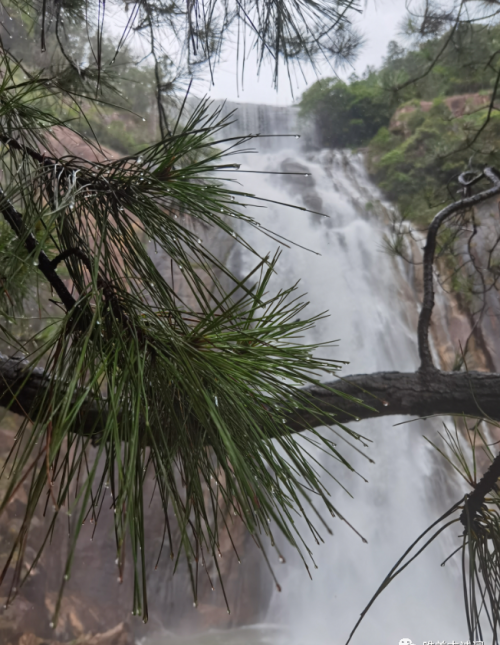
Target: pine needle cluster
[{"x": 140, "y": 384}]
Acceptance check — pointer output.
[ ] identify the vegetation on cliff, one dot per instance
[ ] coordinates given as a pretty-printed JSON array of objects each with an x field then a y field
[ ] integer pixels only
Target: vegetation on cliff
[
  {"x": 418, "y": 139},
  {"x": 124, "y": 118}
]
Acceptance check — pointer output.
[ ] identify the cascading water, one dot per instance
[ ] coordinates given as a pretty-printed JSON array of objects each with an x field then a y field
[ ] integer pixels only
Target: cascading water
[{"x": 374, "y": 317}]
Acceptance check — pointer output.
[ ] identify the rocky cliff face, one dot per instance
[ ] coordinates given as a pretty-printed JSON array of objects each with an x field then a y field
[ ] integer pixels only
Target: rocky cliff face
[
  {"x": 469, "y": 322},
  {"x": 459, "y": 105},
  {"x": 457, "y": 323}
]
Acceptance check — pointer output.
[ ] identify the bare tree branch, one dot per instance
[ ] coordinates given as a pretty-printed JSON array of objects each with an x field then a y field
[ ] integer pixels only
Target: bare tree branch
[
  {"x": 22, "y": 386},
  {"x": 424, "y": 320},
  {"x": 417, "y": 394},
  {"x": 372, "y": 395}
]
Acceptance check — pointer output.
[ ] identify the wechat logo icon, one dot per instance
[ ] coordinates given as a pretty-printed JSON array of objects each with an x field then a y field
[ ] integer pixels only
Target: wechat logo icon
[{"x": 405, "y": 641}]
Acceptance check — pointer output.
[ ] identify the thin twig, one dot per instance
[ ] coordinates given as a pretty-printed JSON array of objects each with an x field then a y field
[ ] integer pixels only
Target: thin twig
[{"x": 15, "y": 221}]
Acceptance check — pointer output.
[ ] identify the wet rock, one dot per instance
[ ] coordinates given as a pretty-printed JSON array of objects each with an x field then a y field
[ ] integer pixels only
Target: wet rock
[
  {"x": 119, "y": 635},
  {"x": 301, "y": 182}
]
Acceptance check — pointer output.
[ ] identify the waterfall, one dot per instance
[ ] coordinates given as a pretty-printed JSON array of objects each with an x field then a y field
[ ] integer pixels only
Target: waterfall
[{"x": 373, "y": 314}]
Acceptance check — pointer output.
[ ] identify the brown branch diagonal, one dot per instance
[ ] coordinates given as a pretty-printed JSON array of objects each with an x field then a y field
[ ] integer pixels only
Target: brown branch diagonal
[
  {"x": 424, "y": 320},
  {"x": 15, "y": 221},
  {"x": 477, "y": 498}
]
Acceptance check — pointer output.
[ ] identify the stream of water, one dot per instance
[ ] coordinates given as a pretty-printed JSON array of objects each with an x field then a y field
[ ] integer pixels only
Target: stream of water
[{"x": 373, "y": 315}]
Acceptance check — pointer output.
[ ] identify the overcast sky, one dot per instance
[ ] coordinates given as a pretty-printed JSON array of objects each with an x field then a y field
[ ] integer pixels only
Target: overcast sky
[{"x": 379, "y": 23}]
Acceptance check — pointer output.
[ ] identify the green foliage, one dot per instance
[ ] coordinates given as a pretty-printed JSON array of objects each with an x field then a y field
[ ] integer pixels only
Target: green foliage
[
  {"x": 347, "y": 114},
  {"x": 117, "y": 130},
  {"x": 124, "y": 118},
  {"x": 415, "y": 164},
  {"x": 462, "y": 67}
]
